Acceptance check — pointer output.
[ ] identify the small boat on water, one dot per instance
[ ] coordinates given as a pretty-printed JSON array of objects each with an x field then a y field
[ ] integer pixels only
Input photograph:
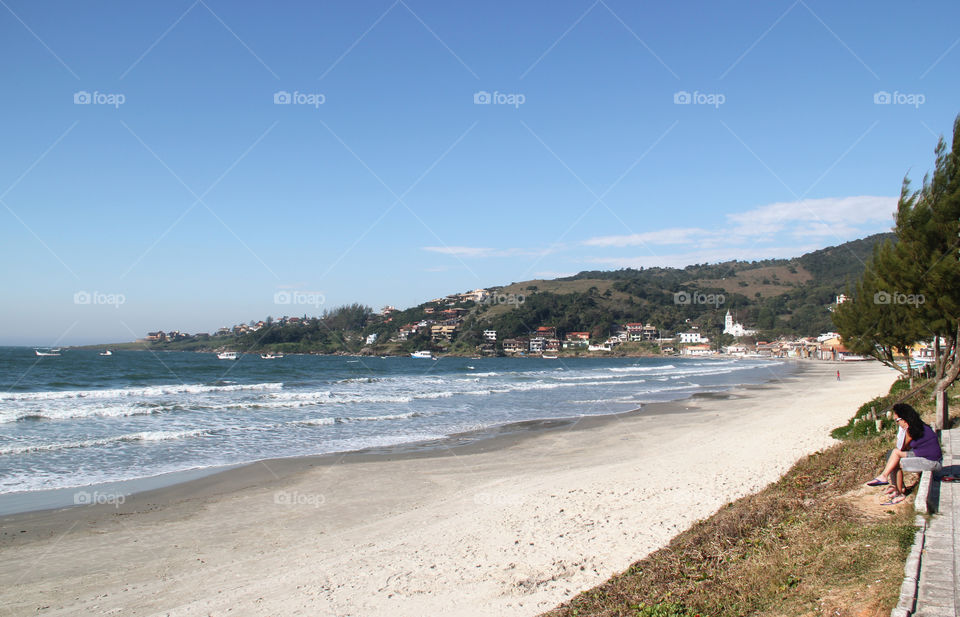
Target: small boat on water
[
  {"x": 106, "y": 352},
  {"x": 271, "y": 356},
  {"x": 52, "y": 352},
  {"x": 546, "y": 357},
  {"x": 227, "y": 355},
  {"x": 423, "y": 355}
]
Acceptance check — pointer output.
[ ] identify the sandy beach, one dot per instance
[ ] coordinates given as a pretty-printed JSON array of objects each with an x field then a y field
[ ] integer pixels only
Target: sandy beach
[{"x": 511, "y": 525}]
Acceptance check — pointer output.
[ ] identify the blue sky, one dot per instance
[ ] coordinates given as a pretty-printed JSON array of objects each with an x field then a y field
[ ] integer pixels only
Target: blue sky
[{"x": 152, "y": 174}]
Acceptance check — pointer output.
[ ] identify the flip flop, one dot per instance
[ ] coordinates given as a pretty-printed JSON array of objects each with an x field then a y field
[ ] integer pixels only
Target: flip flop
[
  {"x": 877, "y": 482},
  {"x": 950, "y": 479},
  {"x": 894, "y": 500}
]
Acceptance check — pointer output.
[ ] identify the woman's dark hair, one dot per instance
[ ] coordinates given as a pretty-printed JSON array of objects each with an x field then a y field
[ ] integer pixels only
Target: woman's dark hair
[{"x": 914, "y": 423}]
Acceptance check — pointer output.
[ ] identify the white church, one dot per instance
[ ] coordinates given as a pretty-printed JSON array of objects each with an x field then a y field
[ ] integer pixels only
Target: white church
[{"x": 734, "y": 328}]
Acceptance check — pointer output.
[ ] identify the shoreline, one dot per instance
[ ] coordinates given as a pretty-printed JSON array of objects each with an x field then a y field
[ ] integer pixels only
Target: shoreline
[
  {"x": 510, "y": 525},
  {"x": 30, "y": 503}
]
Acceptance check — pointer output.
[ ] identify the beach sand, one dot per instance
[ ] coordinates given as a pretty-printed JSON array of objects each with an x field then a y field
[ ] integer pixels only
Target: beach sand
[{"x": 512, "y": 525}]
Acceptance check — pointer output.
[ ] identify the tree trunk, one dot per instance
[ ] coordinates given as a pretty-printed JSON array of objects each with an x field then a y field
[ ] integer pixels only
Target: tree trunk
[{"x": 941, "y": 412}]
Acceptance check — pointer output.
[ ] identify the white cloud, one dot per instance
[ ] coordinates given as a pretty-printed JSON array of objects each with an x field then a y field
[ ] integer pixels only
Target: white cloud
[
  {"x": 839, "y": 218},
  {"x": 843, "y": 214},
  {"x": 471, "y": 251},
  {"x": 460, "y": 251},
  {"x": 674, "y": 235},
  {"x": 549, "y": 274},
  {"x": 681, "y": 260}
]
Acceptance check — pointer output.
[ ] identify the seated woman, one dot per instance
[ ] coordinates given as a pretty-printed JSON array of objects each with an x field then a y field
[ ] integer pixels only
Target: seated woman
[{"x": 920, "y": 452}]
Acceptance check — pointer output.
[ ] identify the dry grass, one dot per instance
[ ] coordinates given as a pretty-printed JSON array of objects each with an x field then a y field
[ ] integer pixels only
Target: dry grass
[
  {"x": 813, "y": 543},
  {"x": 778, "y": 279}
]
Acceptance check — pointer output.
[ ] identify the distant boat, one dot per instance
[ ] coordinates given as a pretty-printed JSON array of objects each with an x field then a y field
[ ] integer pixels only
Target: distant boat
[
  {"x": 546, "y": 357},
  {"x": 106, "y": 352},
  {"x": 425, "y": 355},
  {"x": 271, "y": 356},
  {"x": 52, "y": 352},
  {"x": 227, "y": 355}
]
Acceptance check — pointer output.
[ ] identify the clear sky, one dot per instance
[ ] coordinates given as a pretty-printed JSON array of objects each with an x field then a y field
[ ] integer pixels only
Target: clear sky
[{"x": 178, "y": 164}]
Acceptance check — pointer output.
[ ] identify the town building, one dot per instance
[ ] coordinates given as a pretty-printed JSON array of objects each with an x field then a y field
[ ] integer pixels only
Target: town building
[
  {"x": 635, "y": 331},
  {"x": 735, "y": 329}
]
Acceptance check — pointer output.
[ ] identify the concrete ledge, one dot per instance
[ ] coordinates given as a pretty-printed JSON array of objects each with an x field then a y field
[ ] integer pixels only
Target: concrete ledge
[
  {"x": 922, "y": 502},
  {"x": 911, "y": 573}
]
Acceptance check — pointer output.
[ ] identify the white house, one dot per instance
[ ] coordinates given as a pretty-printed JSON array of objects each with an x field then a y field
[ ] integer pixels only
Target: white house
[
  {"x": 697, "y": 350},
  {"x": 371, "y": 338},
  {"x": 690, "y": 337},
  {"x": 490, "y": 335}
]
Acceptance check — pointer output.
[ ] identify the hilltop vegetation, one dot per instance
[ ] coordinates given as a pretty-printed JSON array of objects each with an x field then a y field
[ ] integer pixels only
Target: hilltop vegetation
[{"x": 790, "y": 297}]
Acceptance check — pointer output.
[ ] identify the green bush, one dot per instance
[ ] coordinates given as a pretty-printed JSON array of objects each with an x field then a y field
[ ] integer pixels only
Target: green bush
[{"x": 900, "y": 385}]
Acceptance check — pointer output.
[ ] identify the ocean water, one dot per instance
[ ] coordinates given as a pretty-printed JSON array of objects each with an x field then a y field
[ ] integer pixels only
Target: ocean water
[{"x": 81, "y": 418}]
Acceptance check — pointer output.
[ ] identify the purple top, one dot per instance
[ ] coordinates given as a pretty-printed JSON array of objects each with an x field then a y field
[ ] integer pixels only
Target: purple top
[{"x": 928, "y": 446}]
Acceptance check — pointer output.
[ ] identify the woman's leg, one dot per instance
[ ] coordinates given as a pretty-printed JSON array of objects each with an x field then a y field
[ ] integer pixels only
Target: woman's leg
[
  {"x": 893, "y": 464},
  {"x": 898, "y": 474}
]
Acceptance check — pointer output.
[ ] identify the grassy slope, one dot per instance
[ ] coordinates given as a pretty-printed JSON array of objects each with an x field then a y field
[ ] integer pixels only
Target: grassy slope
[
  {"x": 832, "y": 267},
  {"x": 801, "y": 546}
]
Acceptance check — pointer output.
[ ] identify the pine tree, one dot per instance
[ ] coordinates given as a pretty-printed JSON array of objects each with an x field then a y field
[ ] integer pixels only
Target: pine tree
[{"x": 910, "y": 290}]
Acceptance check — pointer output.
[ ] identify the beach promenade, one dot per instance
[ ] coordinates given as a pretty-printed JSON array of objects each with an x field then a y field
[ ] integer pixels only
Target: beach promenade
[
  {"x": 507, "y": 526},
  {"x": 938, "y": 584}
]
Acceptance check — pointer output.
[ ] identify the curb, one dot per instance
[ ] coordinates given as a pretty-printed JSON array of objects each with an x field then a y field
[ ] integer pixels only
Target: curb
[{"x": 911, "y": 572}]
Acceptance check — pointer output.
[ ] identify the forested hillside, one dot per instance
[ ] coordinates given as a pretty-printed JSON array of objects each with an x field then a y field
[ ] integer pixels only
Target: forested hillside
[{"x": 776, "y": 296}]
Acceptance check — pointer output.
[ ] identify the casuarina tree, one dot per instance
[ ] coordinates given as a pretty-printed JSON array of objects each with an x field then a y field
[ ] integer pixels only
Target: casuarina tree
[{"x": 910, "y": 289}]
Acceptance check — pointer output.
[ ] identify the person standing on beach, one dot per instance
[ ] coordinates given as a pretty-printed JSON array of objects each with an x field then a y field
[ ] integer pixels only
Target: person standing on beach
[{"x": 838, "y": 374}]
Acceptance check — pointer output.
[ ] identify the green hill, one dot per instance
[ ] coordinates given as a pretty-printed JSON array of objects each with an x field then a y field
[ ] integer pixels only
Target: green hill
[{"x": 776, "y": 297}]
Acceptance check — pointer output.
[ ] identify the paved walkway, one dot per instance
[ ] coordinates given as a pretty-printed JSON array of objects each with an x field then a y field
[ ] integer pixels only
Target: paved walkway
[{"x": 939, "y": 582}]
